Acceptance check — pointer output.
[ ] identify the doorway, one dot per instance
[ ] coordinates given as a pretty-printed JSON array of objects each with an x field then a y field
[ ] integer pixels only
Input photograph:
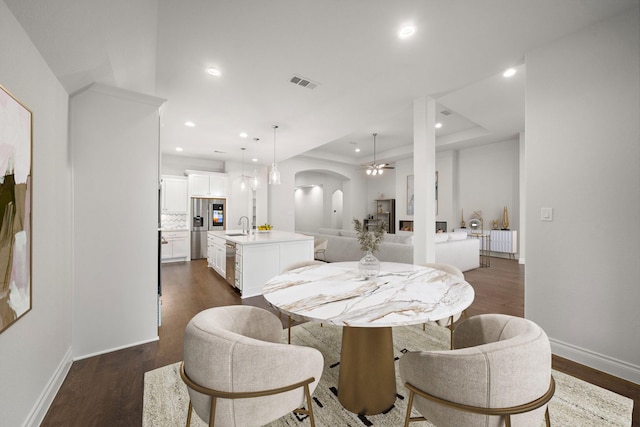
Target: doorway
[{"x": 337, "y": 200}]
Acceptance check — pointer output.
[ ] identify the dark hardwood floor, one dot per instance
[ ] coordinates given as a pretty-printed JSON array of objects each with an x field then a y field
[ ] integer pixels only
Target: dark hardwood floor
[{"x": 107, "y": 390}]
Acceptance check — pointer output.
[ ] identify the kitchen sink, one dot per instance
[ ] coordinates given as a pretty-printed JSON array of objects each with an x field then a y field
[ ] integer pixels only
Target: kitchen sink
[{"x": 236, "y": 234}]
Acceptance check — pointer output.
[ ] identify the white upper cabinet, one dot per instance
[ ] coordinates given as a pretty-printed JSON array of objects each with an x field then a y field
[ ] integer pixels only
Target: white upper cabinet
[
  {"x": 174, "y": 194},
  {"x": 207, "y": 184}
]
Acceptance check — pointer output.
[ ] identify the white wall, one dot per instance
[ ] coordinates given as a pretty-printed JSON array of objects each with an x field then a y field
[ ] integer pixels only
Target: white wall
[
  {"x": 403, "y": 169},
  {"x": 309, "y": 203},
  {"x": 379, "y": 187},
  {"x": 446, "y": 166},
  {"x": 115, "y": 156},
  {"x": 485, "y": 176},
  {"x": 36, "y": 350},
  {"x": 582, "y": 160},
  {"x": 489, "y": 180},
  {"x": 337, "y": 201}
]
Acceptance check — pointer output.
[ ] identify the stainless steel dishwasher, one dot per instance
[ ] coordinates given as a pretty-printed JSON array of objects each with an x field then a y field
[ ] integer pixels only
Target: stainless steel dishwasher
[{"x": 231, "y": 262}]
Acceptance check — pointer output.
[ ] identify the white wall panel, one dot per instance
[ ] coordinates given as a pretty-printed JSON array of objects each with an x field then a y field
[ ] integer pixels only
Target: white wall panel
[
  {"x": 115, "y": 157},
  {"x": 36, "y": 350},
  {"x": 582, "y": 157}
]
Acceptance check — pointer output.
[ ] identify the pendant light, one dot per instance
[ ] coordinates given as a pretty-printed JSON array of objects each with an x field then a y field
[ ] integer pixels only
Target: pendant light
[
  {"x": 274, "y": 174},
  {"x": 243, "y": 180},
  {"x": 254, "y": 181}
]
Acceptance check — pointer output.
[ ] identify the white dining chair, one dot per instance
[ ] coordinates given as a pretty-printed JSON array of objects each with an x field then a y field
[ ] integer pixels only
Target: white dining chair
[
  {"x": 498, "y": 372},
  {"x": 238, "y": 372}
]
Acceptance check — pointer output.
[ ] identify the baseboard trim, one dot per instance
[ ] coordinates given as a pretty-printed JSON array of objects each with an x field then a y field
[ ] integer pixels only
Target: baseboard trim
[
  {"x": 109, "y": 350},
  {"x": 41, "y": 407},
  {"x": 601, "y": 362}
]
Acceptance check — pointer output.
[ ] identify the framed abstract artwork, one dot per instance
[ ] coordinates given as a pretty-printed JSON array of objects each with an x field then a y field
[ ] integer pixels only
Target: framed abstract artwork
[
  {"x": 436, "y": 192},
  {"x": 410, "y": 194},
  {"x": 15, "y": 209}
]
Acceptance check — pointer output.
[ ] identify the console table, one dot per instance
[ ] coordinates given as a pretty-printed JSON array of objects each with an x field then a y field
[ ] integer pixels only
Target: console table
[
  {"x": 485, "y": 248},
  {"x": 502, "y": 241}
]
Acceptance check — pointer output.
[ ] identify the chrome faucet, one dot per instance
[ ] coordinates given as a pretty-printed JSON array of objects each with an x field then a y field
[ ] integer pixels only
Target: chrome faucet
[{"x": 240, "y": 222}]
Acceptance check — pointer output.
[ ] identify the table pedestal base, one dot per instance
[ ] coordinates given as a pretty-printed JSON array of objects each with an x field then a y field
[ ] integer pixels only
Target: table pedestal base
[{"x": 367, "y": 381}]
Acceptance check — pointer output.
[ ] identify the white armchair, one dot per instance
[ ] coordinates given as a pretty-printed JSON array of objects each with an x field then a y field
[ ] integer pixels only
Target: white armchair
[
  {"x": 238, "y": 372},
  {"x": 499, "y": 372},
  {"x": 319, "y": 247}
]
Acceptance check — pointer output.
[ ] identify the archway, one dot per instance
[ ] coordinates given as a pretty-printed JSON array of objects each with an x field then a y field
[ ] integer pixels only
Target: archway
[{"x": 319, "y": 200}]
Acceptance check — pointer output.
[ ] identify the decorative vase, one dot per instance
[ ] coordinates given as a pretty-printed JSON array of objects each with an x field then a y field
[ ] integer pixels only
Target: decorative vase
[
  {"x": 505, "y": 219},
  {"x": 369, "y": 266}
]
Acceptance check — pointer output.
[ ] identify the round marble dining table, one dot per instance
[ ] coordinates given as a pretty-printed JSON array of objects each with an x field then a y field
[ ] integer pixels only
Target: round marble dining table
[{"x": 367, "y": 309}]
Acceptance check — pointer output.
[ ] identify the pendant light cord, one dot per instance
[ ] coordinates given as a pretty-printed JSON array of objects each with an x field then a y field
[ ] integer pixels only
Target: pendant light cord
[
  {"x": 274, "y": 143},
  {"x": 374, "y": 149}
]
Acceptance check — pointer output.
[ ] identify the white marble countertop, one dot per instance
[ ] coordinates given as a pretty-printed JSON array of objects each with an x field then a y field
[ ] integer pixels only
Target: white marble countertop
[
  {"x": 335, "y": 293},
  {"x": 258, "y": 237}
]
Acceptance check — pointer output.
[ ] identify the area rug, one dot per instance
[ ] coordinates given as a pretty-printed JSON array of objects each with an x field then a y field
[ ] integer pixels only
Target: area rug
[{"x": 575, "y": 403}]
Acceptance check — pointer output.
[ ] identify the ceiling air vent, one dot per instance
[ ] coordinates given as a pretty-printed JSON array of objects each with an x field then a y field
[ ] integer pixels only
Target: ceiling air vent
[{"x": 303, "y": 81}]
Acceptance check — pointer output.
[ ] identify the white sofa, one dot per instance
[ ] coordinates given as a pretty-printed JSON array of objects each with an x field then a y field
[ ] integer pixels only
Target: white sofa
[{"x": 451, "y": 248}]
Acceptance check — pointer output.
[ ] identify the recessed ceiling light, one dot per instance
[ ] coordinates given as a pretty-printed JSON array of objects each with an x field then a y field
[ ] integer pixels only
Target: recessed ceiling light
[
  {"x": 178, "y": 148},
  {"x": 357, "y": 150},
  {"x": 509, "y": 72},
  {"x": 406, "y": 31},
  {"x": 243, "y": 134},
  {"x": 190, "y": 124},
  {"x": 254, "y": 160},
  {"x": 213, "y": 71},
  {"x": 438, "y": 125}
]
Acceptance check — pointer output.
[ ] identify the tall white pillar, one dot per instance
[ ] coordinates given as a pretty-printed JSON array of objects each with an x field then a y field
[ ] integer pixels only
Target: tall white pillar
[
  {"x": 522, "y": 232},
  {"x": 424, "y": 169}
]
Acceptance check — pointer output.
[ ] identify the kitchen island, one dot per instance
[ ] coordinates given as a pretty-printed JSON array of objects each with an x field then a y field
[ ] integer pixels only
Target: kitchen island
[{"x": 248, "y": 261}]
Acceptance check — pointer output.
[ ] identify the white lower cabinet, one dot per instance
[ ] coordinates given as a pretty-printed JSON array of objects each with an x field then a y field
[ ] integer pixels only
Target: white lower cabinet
[
  {"x": 175, "y": 246},
  {"x": 238, "y": 276},
  {"x": 260, "y": 262},
  {"x": 210, "y": 251},
  {"x": 216, "y": 254},
  {"x": 257, "y": 260}
]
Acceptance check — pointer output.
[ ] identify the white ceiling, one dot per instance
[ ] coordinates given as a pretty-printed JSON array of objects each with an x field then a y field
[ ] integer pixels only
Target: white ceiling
[{"x": 368, "y": 77}]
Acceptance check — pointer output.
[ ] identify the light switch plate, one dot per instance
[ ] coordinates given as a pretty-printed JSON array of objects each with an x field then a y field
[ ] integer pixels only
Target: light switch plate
[{"x": 546, "y": 214}]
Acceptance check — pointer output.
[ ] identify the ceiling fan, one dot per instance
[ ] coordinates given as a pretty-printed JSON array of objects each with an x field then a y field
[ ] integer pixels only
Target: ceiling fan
[{"x": 376, "y": 168}]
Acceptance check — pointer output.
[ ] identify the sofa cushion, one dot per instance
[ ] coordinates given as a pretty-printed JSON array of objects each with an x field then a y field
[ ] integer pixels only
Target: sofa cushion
[
  {"x": 407, "y": 240},
  {"x": 441, "y": 237},
  {"x": 457, "y": 235},
  {"x": 392, "y": 238}
]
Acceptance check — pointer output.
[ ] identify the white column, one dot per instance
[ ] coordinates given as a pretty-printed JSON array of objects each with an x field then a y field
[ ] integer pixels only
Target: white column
[
  {"x": 424, "y": 169},
  {"x": 522, "y": 232}
]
